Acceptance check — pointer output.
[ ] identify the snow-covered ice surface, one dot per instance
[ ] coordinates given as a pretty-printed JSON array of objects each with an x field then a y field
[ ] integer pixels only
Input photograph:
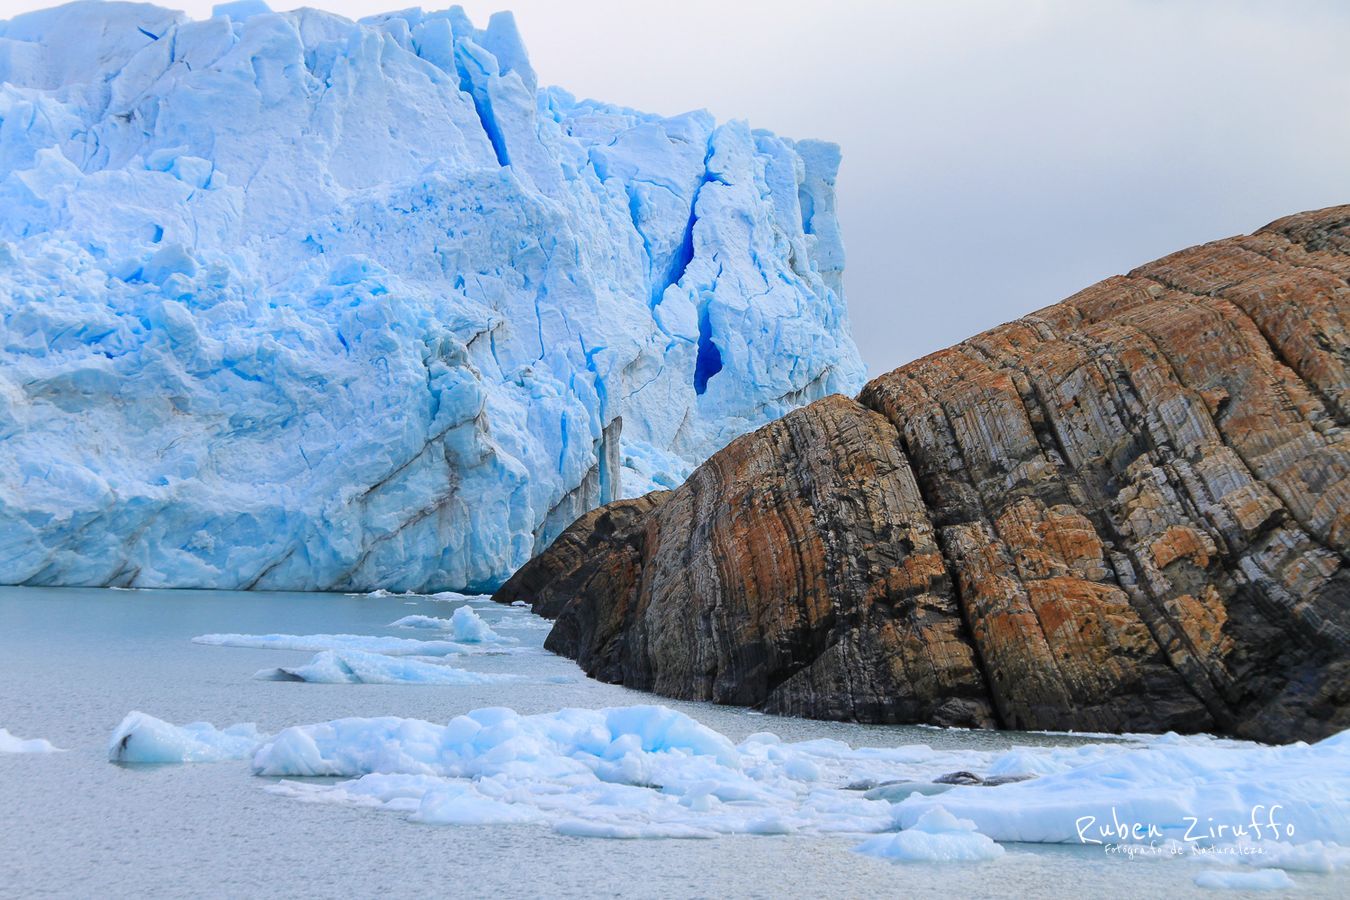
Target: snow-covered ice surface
[
  {"x": 10, "y": 743},
  {"x": 539, "y": 801},
  {"x": 359, "y": 667},
  {"x": 292, "y": 302}
]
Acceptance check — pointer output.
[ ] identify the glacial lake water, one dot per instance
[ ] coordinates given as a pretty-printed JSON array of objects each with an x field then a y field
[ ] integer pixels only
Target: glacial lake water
[{"x": 73, "y": 662}]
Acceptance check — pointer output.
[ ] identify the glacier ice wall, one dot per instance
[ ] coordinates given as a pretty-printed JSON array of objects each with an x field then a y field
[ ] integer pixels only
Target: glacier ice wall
[{"x": 292, "y": 302}]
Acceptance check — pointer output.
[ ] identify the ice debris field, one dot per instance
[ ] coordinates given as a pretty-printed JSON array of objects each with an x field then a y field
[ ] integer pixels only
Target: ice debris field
[
  {"x": 649, "y": 771},
  {"x": 652, "y": 772},
  {"x": 294, "y": 302}
]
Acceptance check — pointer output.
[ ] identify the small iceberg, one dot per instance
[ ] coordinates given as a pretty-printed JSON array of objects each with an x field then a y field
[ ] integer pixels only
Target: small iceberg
[
  {"x": 457, "y": 597},
  {"x": 10, "y": 743},
  {"x": 938, "y": 836},
  {"x": 142, "y": 738},
  {"x": 359, "y": 667},
  {"x": 1260, "y": 880},
  {"x": 428, "y": 622},
  {"x": 1196, "y": 790},
  {"x": 464, "y": 625}
]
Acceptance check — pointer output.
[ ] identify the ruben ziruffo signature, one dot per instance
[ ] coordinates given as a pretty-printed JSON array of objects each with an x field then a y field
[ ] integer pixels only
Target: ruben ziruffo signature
[{"x": 1264, "y": 824}]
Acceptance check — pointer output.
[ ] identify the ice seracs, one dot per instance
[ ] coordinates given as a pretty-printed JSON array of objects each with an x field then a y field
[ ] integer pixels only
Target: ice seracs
[{"x": 293, "y": 302}]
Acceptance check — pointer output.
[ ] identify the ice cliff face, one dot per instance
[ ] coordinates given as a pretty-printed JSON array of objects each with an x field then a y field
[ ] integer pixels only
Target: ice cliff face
[{"x": 293, "y": 302}]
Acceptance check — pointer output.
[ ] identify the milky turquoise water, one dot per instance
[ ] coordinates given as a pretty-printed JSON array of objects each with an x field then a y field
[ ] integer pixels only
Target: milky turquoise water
[{"x": 73, "y": 662}]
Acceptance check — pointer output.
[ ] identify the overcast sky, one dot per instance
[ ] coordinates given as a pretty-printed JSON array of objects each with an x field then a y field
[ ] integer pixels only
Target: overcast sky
[{"x": 998, "y": 156}]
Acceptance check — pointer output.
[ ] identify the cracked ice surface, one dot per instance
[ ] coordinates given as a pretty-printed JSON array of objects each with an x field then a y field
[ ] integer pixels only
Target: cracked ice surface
[{"x": 292, "y": 302}]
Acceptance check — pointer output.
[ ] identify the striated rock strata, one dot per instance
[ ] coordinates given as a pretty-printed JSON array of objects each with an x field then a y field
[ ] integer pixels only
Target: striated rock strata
[{"x": 1127, "y": 511}]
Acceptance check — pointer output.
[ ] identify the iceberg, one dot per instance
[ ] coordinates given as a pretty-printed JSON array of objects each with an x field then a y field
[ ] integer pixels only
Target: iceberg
[
  {"x": 428, "y": 622},
  {"x": 358, "y": 667},
  {"x": 295, "y": 302},
  {"x": 463, "y": 625},
  {"x": 142, "y": 738},
  {"x": 1260, "y": 880},
  {"x": 937, "y": 836},
  {"x": 10, "y": 743},
  {"x": 1198, "y": 791}
]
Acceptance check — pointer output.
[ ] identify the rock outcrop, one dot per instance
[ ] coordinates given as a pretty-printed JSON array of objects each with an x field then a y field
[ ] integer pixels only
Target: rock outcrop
[{"x": 1127, "y": 511}]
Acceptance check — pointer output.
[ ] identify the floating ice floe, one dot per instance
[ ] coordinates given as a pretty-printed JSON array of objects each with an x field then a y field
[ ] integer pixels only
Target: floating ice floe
[
  {"x": 10, "y": 743},
  {"x": 1192, "y": 790},
  {"x": 313, "y": 643},
  {"x": 359, "y": 667},
  {"x": 464, "y": 625},
  {"x": 457, "y": 597},
  {"x": 1261, "y": 880},
  {"x": 428, "y": 622},
  {"x": 144, "y": 739},
  {"x": 1313, "y": 856},
  {"x": 937, "y": 836}
]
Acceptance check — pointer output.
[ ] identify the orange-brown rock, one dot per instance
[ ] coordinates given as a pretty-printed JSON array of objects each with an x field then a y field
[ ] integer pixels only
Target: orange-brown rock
[{"x": 1127, "y": 511}]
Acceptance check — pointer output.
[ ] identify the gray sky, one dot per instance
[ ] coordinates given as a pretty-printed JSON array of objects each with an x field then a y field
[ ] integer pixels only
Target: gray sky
[{"x": 998, "y": 156}]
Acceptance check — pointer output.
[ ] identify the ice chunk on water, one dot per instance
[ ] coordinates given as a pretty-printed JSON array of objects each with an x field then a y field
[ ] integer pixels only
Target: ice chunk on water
[
  {"x": 428, "y": 622},
  {"x": 463, "y": 625},
  {"x": 457, "y": 597},
  {"x": 390, "y": 646},
  {"x": 1262, "y": 880},
  {"x": 937, "y": 836},
  {"x": 1182, "y": 789},
  {"x": 142, "y": 738},
  {"x": 10, "y": 743},
  {"x": 1313, "y": 856},
  {"x": 467, "y": 625},
  {"x": 358, "y": 667}
]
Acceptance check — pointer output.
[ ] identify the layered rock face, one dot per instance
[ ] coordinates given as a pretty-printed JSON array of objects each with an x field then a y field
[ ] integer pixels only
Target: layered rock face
[{"x": 1127, "y": 511}]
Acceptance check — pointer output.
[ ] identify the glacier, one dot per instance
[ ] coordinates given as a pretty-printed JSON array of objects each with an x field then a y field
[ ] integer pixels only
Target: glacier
[{"x": 295, "y": 302}]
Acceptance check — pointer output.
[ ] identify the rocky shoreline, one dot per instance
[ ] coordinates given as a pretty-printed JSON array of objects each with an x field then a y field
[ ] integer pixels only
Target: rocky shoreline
[{"x": 1125, "y": 512}]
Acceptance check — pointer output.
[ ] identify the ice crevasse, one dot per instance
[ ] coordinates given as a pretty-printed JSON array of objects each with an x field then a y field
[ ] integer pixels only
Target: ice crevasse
[{"x": 293, "y": 302}]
